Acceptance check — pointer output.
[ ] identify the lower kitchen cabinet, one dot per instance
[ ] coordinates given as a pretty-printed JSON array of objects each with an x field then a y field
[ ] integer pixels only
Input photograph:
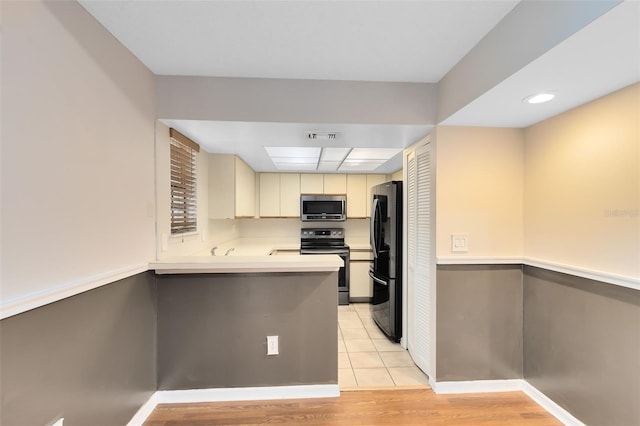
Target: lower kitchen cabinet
[{"x": 360, "y": 288}]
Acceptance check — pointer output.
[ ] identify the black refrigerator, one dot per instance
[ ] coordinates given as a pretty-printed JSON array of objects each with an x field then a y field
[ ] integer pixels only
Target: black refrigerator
[{"x": 386, "y": 270}]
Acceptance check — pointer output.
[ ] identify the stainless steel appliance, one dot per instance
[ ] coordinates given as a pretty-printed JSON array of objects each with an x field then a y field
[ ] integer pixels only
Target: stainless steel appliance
[
  {"x": 323, "y": 208},
  {"x": 386, "y": 270},
  {"x": 329, "y": 241}
]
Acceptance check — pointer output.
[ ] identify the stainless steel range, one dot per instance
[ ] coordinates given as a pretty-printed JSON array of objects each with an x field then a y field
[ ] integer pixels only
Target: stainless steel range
[{"x": 329, "y": 241}]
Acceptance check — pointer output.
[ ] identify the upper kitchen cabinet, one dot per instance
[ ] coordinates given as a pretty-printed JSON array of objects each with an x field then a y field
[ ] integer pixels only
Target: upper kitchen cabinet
[
  {"x": 290, "y": 195},
  {"x": 279, "y": 195},
  {"x": 316, "y": 183},
  {"x": 335, "y": 184},
  {"x": 357, "y": 196},
  {"x": 232, "y": 187},
  {"x": 373, "y": 180},
  {"x": 311, "y": 183},
  {"x": 270, "y": 194}
]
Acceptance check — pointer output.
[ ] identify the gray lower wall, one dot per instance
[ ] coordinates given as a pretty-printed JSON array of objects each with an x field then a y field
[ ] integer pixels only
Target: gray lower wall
[
  {"x": 574, "y": 339},
  {"x": 479, "y": 322},
  {"x": 212, "y": 330},
  {"x": 582, "y": 345},
  {"x": 89, "y": 358}
]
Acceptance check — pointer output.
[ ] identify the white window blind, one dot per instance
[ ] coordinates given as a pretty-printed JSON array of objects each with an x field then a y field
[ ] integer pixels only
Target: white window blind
[{"x": 184, "y": 212}]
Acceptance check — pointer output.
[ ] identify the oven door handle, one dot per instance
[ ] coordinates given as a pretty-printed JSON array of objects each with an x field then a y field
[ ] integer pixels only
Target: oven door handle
[{"x": 378, "y": 280}]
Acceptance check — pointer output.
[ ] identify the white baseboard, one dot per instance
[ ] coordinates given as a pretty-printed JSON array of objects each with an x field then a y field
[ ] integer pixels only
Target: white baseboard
[
  {"x": 248, "y": 394},
  {"x": 232, "y": 394},
  {"x": 144, "y": 412},
  {"x": 554, "y": 409},
  {"x": 484, "y": 386},
  {"x": 478, "y": 386}
]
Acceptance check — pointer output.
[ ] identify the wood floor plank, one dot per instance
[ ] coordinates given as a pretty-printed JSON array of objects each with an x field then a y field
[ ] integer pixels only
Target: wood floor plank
[{"x": 393, "y": 407}]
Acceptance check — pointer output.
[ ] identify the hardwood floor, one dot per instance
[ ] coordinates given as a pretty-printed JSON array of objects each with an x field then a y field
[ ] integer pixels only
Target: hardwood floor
[{"x": 380, "y": 407}]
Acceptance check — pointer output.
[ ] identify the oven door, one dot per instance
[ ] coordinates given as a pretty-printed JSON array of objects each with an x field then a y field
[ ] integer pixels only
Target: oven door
[{"x": 343, "y": 272}]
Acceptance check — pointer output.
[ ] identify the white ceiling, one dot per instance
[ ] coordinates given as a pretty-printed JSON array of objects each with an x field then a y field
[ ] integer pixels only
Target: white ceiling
[
  {"x": 601, "y": 58},
  {"x": 406, "y": 41},
  {"x": 325, "y": 40}
]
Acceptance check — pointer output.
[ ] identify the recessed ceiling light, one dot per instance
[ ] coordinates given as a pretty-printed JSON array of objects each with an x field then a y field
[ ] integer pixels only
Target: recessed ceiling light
[{"x": 539, "y": 98}]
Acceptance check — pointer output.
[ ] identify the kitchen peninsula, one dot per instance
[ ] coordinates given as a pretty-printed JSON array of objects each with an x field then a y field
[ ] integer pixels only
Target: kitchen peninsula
[{"x": 215, "y": 313}]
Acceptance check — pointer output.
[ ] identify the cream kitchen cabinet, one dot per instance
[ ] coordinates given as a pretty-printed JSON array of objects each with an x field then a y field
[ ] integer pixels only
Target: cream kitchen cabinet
[
  {"x": 357, "y": 196},
  {"x": 232, "y": 187},
  {"x": 360, "y": 286},
  {"x": 373, "y": 180},
  {"x": 290, "y": 194},
  {"x": 311, "y": 183},
  {"x": 279, "y": 195},
  {"x": 335, "y": 184},
  {"x": 270, "y": 194},
  {"x": 330, "y": 184}
]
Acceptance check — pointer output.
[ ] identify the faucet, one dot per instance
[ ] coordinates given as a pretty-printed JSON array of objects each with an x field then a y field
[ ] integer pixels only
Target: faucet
[
  {"x": 229, "y": 251},
  {"x": 213, "y": 251}
]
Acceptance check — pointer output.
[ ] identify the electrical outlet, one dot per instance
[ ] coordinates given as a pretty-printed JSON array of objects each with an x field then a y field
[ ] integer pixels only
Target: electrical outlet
[{"x": 272, "y": 345}]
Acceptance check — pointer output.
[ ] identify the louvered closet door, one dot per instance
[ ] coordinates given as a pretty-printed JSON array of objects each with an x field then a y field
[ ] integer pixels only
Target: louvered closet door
[{"x": 419, "y": 259}]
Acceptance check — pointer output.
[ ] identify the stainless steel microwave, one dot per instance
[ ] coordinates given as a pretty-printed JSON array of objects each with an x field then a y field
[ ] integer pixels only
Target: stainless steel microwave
[{"x": 323, "y": 208}]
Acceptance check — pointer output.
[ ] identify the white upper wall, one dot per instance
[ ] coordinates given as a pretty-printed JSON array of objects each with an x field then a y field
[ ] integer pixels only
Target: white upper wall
[
  {"x": 479, "y": 191},
  {"x": 77, "y": 152},
  {"x": 582, "y": 186}
]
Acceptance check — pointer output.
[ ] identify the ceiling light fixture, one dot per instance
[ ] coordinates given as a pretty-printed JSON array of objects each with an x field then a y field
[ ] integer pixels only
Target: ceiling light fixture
[{"x": 539, "y": 98}]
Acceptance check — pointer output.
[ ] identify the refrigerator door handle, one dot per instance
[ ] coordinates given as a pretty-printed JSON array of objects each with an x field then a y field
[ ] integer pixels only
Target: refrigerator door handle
[
  {"x": 378, "y": 280},
  {"x": 372, "y": 233}
]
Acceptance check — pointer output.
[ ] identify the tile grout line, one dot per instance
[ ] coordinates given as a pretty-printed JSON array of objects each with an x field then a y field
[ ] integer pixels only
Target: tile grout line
[{"x": 377, "y": 352}]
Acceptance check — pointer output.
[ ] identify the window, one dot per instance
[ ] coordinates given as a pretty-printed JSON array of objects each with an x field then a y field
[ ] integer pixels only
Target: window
[{"x": 184, "y": 212}]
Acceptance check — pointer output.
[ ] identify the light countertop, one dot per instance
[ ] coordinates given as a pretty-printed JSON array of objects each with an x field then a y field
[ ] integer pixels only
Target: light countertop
[
  {"x": 246, "y": 264},
  {"x": 251, "y": 255}
]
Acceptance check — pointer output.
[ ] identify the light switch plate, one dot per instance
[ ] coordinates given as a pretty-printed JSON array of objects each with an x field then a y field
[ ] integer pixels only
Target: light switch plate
[{"x": 459, "y": 243}]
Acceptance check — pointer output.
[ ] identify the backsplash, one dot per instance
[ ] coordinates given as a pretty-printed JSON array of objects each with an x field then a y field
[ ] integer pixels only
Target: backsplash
[{"x": 290, "y": 228}]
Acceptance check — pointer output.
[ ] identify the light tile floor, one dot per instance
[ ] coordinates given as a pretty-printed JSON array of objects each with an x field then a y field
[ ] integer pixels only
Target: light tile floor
[{"x": 367, "y": 358}]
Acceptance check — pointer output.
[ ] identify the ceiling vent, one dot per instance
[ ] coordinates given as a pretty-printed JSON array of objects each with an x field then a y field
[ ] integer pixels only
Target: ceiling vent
[{"x": 313, "y": 136}]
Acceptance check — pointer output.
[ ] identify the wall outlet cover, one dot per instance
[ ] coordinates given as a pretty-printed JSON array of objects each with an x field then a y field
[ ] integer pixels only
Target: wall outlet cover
[{"x": 272, "y": 345}]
